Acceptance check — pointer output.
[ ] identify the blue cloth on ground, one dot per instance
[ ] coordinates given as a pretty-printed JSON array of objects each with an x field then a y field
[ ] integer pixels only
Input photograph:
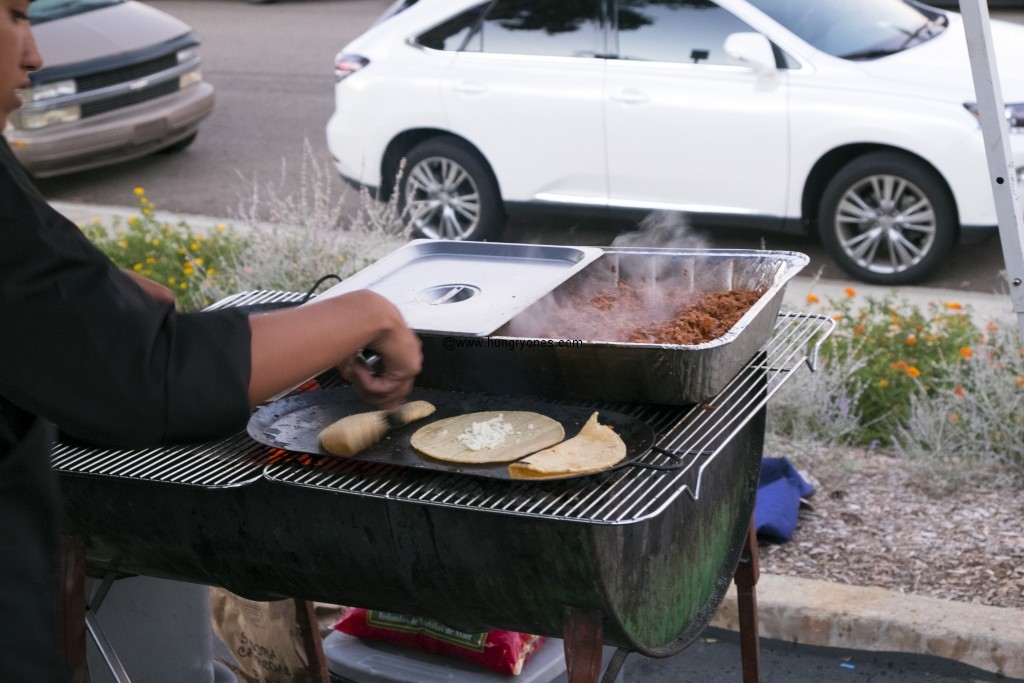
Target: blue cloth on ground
[{"x": 779, "y": 491}]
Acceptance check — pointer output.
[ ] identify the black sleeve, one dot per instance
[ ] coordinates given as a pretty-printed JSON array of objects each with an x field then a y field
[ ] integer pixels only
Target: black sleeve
[{"x": 83, "y": 346}]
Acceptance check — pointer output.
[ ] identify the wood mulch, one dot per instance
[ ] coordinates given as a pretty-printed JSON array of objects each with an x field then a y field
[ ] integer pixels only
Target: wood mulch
[{"x": 870, "y": 524}]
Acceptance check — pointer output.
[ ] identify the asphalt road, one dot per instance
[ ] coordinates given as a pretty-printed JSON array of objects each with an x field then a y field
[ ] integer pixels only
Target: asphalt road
[{"x": 272, "y": 68}]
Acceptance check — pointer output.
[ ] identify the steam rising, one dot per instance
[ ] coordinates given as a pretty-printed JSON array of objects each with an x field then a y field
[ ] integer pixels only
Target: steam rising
[{"x": 619, "y": 296}]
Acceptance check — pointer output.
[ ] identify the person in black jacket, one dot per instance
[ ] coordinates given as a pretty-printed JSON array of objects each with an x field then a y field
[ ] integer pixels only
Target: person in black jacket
[{"x": 104, "y": 356}]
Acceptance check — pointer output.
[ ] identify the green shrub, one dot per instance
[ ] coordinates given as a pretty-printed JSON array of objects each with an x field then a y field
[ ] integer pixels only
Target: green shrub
[
  {"x": 176, "y": 256},
  {"x": 928, "y": 384}
]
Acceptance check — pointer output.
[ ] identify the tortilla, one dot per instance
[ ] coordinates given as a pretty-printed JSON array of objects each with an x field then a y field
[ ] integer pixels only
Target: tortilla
[
  {"x": 528, "y": 432},
  {"x": 597, "y": 447}
]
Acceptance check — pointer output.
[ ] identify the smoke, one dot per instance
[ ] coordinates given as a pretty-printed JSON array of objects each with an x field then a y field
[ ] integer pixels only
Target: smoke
[
  {"x": 620, "y": 295},
  {"x": 664, "y": 229}
]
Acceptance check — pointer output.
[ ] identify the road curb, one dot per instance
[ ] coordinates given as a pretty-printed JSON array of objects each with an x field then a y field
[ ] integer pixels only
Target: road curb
[{"x": 812, "y": 612}]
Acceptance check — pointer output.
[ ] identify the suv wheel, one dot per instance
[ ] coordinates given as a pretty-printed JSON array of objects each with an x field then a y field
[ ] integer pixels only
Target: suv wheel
[
  {"x": 887, "y": 219},
  {"x": 449, "y": 192}
]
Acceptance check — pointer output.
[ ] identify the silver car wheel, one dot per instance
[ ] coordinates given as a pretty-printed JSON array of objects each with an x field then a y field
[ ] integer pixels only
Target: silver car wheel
[
  {"x": 885, "y": 224},
  {"x": 443, "y": 199}
]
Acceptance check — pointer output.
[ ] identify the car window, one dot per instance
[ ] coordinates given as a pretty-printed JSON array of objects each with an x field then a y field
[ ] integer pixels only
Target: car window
[
  {"x": 855, "y": 30},
  {"x": 42, "y": 11},
  {"x": 683, "y": 31},
  {"x": 566, "y": 28},
  {"x": 452, "y": 34}
]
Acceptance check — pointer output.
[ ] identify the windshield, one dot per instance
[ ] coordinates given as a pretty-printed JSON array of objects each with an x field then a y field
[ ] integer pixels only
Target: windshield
[
  {"x": 855, "y": 29},
  {"x": 42, "y": 11}
]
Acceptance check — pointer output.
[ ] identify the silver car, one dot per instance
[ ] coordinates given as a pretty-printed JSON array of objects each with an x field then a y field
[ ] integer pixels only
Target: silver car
[{"x": 120, "y": 80}]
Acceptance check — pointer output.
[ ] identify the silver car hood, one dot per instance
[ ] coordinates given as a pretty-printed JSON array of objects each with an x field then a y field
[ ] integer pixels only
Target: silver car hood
[{"x": 105, "y": 32}]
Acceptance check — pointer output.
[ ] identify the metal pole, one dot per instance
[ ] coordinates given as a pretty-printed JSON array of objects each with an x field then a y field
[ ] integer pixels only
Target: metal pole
[{"x": 995, "y": 131}]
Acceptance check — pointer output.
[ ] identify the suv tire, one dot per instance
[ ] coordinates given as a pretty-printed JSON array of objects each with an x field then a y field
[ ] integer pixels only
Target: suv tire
[
  {"x": 449, "y": 192},
  {"x": 887, "y": 219}
]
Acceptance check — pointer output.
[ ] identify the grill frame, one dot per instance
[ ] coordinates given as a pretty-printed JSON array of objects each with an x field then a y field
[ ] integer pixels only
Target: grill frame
[{"x": 416, "y": 542}]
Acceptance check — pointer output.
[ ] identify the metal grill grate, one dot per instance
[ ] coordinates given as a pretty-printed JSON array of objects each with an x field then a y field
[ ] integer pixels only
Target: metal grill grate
[
  {"x": 126, "y": 99},
  {"x": 695, "y": 435},
  {"x": 127, "y": 73}
]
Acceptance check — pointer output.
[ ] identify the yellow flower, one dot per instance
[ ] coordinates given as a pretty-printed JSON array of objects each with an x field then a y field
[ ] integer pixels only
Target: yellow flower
[
  {"x": 199, "y": 261},
  {"x": 883, "y": 383},
  {"x": 221, "y": 227},
  {"x": 850, "y": 292},
  {"x": 123, "y": 244},
  {"x": 171, "y": 280},
  {"x": 182, "y": 286},
  {"x": 139, "y": 192},
  {"x": 813, "y": 299},
  {"x": 150, "y": 260},
  {"x": 194, "y": 247},
  {"x": 137, "y": 266},
  {"x": 181, "y": 250},
  {"x": 209, "y": 271},
  {"x": 189, "y": 271},
  {"x": 132, "y": 220},
  {"x": 155, "y": 242}
]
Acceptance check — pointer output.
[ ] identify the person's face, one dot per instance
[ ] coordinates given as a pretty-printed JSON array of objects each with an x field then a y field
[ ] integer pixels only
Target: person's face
[{"x": 18, "y": 54}]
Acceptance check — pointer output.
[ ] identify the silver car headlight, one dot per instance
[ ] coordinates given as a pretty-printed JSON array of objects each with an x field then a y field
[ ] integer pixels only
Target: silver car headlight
[
  {"x": 48, "y": 91},
  {"x": 27, "y": 119},
  {"x": 1014, "y": 114},
  {"x": 189, "y": 78}
]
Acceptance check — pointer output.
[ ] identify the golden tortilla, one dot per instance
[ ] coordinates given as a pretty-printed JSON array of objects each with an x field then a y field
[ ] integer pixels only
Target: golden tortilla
[
  {"x": 529, "y": 432},
  {"x": 597, "y": 447}
]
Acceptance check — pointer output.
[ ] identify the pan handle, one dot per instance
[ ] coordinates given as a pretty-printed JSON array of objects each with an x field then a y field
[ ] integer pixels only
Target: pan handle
[{"x": 681, "y": 459}]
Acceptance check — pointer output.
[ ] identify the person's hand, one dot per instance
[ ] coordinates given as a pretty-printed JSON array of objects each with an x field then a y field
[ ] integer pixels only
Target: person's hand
[
  {"x": 388, "y": 378},
  {"x": 154, "y": 289}
]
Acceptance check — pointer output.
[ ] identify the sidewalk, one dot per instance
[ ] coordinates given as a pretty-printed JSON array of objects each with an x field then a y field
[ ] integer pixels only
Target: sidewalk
[{"x": 816, "y": 612}]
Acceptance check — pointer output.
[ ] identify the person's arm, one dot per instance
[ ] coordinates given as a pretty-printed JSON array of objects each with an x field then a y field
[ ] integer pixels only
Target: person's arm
[{"x": 294, "y": 344}]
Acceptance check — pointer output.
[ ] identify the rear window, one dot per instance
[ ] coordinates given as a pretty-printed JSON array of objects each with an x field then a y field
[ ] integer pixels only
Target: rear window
[
  {"x": 567, "y": 28},
  {"x": 41, "y": 11},
  {"x": 396, "y": 8},
  {"x": 452, "y": 34}
]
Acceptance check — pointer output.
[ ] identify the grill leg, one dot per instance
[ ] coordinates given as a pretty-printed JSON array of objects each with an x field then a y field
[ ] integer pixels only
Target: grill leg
[
  {"x": 71, "y": 607},
  {"x": 305, "y": 615},
  {"x": 584, "y": 638},
  {"x": 746, "y": 576}
]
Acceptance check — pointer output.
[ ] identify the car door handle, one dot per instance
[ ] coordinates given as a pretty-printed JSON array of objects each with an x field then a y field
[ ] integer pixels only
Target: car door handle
[
  {"x": 631, "y": 96},
  {"x": 470, "y": 87}
]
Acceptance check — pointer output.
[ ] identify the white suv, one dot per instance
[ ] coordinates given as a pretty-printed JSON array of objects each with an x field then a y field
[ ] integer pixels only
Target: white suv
[{"x": 854, "y": 118}]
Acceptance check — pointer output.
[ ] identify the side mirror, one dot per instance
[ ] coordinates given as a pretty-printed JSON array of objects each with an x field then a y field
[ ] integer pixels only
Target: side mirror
[{"x": 752, "y": 50}]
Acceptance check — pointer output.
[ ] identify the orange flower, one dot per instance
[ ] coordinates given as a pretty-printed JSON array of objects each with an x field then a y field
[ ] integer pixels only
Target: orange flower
[
  {"x": 953, "y": 306},
  {"x": 966, "y": 352},
  {"x": 959, "y": 391},
  {"x": 859, "y": 330},
  {"x": 911, "y": 340},
  {"x": 813, "y": 299},
  {"x": 992, "y": 327},
  {"x": 850, "y": 292},
  {"x": 954, "y": 418},
  {"x": 837, "y": 317},
  {"x": 913, "y": 372},
  {"x": 1020, "y": 381}
]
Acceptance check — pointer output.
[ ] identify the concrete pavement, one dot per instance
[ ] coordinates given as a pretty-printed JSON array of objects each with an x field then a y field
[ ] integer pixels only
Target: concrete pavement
[{"x": 816, "y": 612}]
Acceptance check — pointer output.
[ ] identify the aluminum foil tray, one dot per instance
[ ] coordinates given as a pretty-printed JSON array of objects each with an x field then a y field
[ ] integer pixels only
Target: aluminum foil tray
[
  {"x": 467, "y": 288},
  {"x": 625, "y": 372}
]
